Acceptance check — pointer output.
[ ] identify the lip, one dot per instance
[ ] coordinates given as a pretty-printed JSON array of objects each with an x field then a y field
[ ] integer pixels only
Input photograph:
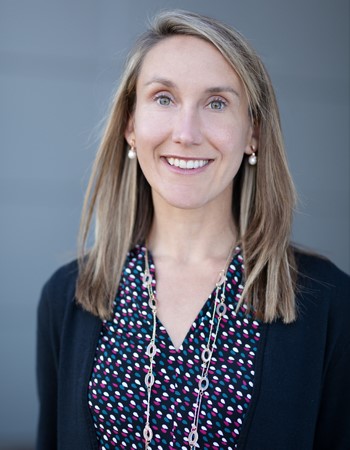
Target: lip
[{"x": 185, "y": 171}]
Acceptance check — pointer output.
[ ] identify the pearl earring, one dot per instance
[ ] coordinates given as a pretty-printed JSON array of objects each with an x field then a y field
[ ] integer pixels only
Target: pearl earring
[
  {"x": 252, "y": 158},
  {"x": 132, "y": 152}
]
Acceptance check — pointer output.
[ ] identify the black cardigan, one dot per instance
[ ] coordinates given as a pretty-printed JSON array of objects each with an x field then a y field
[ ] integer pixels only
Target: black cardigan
[{"x": 301, "y": 397}]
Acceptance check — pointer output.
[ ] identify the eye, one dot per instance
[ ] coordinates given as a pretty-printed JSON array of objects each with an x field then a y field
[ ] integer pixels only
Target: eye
[
  {"x": 163, "y": 100},
  {"x": 217, "y": 104}
]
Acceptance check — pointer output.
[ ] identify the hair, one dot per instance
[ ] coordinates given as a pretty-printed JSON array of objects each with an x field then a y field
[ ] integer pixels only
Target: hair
[{"x": 119, "y": 198}]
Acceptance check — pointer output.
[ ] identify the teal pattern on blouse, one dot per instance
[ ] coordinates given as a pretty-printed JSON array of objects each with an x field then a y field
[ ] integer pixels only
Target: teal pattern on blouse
[{"x": 117, "y": 393}]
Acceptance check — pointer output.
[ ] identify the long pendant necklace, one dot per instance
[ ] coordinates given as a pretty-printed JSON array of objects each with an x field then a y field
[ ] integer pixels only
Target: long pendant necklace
[{"x": 219, "y": 310}]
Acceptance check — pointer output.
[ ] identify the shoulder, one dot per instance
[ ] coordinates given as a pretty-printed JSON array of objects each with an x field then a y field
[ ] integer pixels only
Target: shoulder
[
  {"x": 58, "y": 293},
  {"x": 62, "y": 283},
  {"x": 323, "y": 297},
  {"x": 319, "y": 275}
]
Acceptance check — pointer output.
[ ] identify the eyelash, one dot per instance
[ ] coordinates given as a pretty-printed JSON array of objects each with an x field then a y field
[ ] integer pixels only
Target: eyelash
[
  {"x": 218, "y": 100},
  {"x": 159, "y": 97}
]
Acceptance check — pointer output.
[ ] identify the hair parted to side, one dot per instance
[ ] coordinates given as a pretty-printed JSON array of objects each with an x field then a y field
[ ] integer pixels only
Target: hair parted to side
[{"x": 119, "y": 197}]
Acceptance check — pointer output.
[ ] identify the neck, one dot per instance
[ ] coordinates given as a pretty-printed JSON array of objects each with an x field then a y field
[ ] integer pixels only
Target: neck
[{"x": 191, "y": 235}]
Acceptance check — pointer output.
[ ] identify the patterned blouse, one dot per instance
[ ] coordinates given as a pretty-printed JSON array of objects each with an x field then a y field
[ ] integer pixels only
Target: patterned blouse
[{"x": 117, "y": 394}]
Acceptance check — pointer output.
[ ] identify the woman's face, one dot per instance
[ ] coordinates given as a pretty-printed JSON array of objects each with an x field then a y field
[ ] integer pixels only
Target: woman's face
[{"x": 190, "y": 125}]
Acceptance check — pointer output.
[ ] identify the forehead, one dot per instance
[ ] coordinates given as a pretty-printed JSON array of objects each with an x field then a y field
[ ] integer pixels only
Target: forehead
[{"x": 189, "y": 58}]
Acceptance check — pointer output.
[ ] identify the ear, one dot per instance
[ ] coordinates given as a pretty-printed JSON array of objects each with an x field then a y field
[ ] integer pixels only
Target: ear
[
  {"x": 129, "y": 133},
  {"x": 253, "y": 142}
]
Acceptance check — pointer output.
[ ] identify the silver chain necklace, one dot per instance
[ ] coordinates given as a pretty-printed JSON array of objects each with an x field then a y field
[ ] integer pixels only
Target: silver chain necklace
[{"x": 219, "y": 310}]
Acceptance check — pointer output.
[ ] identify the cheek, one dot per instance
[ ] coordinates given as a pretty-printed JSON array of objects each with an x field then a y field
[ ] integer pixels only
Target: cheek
[
  {"x": 232, "y": 164},
  {"x": 228, "y": 132},
  {"x": 150, "y": 127}
]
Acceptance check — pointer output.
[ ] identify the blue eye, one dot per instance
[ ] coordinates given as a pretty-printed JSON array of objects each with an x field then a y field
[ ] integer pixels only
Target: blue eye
[
  {"x": 163, "y": 100},
  {"x": 217, "y": 104}
]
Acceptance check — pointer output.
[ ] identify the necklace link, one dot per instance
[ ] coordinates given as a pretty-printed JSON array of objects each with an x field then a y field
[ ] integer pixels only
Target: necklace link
[
  {"x": 147, "y": 278},
  {"x": 221, "y": 309},
  {"x": 151, "y": 350},
  {"x": 147, "y": 434},
  {"x": 149, "y": 380},
  {"x": 221, "y": 278},
  {"x": 206, "y": 355},
  {"x": 193, "y": 437},
  {"x": 152, "y": 303},
  {"x": 203, "y": 383}
]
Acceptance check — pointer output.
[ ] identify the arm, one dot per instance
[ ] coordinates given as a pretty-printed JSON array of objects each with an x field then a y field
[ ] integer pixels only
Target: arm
[
  {"x": 47, "y": 364},
  {"x": 333, "y": 425}
]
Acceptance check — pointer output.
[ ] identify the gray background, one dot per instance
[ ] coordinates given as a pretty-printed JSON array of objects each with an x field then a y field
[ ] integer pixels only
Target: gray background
[{"x": 59, "y": 63}]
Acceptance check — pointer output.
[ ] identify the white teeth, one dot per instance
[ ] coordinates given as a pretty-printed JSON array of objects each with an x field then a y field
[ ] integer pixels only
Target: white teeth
[{"x": 187, "y": 163}]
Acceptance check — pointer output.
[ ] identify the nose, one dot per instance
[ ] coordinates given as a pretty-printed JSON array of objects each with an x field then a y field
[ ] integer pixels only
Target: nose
[{"x": 187, "y": 127}]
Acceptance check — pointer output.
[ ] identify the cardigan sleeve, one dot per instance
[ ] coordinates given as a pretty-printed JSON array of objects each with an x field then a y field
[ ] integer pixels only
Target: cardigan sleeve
[
  {"x": 57, "y": 294},
  {"x": 66, "y": 343},
  {"x": 333, "y": 425},
  {"x": 47, "y": 366}
]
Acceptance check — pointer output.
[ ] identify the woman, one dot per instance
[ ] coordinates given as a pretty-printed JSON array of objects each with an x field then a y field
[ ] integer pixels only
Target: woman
[{"x": 192, "y": 322}]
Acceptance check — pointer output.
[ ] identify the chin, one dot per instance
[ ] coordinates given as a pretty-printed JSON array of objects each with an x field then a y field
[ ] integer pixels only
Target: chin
[{"x": 184, "y": 202}]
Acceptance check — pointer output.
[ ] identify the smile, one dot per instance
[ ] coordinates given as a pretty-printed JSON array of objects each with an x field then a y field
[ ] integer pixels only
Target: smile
[{"x": 187, "y": 163}]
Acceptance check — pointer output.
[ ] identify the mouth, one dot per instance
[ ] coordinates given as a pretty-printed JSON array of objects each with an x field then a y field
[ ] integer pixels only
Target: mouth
[{"x": 187, "y": 163}]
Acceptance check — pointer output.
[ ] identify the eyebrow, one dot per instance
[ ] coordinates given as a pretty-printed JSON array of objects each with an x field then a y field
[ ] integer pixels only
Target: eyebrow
[
  {"x": 211, "y": 90},
  {"x": 218, "y": 89},
  {"x": 163, "y": 81}
]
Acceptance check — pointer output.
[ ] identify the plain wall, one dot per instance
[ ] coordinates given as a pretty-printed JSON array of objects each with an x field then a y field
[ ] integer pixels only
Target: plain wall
[{"x": 59, "y": 64}]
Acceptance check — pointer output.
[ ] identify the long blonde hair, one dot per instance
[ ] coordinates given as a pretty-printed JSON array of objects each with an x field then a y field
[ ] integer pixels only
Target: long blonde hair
[{"x": 119, "y": 199}]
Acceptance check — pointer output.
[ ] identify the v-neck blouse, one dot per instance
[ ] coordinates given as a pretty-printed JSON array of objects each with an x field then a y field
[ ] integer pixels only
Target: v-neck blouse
[{"x": 117, "y": 394}]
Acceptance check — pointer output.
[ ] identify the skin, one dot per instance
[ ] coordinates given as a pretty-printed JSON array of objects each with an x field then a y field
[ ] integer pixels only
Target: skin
[{"x": 191, "y": 111}]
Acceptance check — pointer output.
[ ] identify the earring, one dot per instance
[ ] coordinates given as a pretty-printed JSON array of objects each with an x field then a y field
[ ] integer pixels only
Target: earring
[
  {"x": 132, "y": 152},
  {"x": 252, "y": 158}
]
